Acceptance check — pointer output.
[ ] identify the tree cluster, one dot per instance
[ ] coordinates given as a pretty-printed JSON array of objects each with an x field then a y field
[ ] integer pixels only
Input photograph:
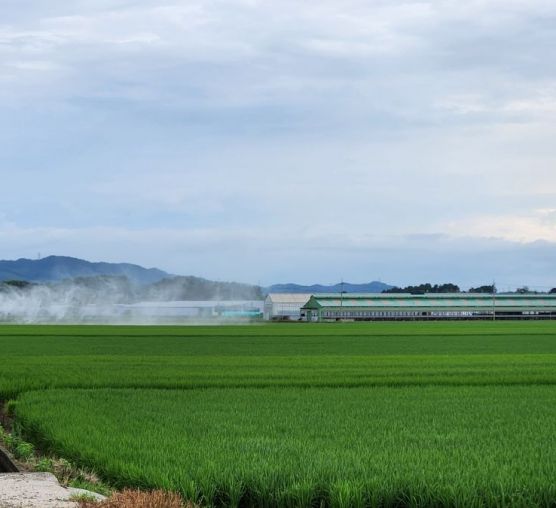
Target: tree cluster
[
  {"x": 196, "y": 288},
  {"x": 526, "y": 291},
  {"x": 422, "y": 289},
  {"x": 487, "y": 289},
  {"x": 20, "y": 284}
]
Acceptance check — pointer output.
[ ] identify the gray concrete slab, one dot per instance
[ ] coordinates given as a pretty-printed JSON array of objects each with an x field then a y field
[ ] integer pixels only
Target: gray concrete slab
[{"x": 34, "y": 490}]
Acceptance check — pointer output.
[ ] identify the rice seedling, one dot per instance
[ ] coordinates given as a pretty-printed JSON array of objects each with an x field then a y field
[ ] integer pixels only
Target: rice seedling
[
  {"x": 364, "y": 414},
  {"x": 374, "y": 446}
]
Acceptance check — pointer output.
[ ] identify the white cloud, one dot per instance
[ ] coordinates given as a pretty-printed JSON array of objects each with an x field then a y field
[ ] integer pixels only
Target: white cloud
[
  {"x": 536, "y": 225},
  {"x": 326, "y": 129}
]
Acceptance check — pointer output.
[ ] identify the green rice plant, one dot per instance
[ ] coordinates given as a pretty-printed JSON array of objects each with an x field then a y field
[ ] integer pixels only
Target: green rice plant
[
  {"x": 362, "y": 414},
  {"x": 9, "y": 407},
  {"x": 380, "y": 446}
]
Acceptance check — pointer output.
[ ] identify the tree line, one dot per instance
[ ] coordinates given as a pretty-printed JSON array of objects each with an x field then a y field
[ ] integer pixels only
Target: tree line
[{"x": 427, "y": 288}]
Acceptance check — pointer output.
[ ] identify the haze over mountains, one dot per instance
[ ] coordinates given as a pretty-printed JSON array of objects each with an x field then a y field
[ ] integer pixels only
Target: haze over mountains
[
  {"x": 58, "y": 268},
  {"x": 370, "y": 287},
  {"x": 155, "y": 282}
]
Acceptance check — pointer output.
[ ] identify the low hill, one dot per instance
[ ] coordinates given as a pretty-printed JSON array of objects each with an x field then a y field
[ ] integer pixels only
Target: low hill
[
  {"x": 197, "y": 288},
  {"x": 58, "y": 268},
  {"x": 78, "y": 281},
  {"x": 369, "y": 287}
]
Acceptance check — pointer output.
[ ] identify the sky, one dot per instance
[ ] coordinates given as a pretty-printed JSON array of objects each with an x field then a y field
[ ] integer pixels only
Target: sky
[{"x": 265, "y": 141}]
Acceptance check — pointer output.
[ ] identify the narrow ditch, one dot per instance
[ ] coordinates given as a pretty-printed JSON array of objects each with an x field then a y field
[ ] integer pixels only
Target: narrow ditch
[{"x": 6, "y": 464}]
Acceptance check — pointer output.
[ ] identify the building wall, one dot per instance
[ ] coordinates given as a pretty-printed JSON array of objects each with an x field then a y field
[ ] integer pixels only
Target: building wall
[
  {"x": 277, "y": 306},
  {"x": 461, "y": 306},
  {"x": 369, "y": 315}
]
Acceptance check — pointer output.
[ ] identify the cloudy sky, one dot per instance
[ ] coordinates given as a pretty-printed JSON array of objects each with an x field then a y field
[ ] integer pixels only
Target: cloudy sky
[{"x": 275, "y": 141}]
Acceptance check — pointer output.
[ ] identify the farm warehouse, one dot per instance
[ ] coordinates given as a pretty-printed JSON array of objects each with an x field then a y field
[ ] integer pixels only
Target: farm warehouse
[
  {"x": 361, "y": 307},
  {"x": 285, "y": 305}
]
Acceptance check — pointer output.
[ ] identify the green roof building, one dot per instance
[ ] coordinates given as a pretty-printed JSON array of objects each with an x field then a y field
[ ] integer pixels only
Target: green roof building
[{"x": 370, "y": 307}]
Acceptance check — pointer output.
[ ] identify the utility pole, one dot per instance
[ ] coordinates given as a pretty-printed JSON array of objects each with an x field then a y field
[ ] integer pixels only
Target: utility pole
[
  {"x": 342, "y": 293},
  {"x": 494, "y": 300}
]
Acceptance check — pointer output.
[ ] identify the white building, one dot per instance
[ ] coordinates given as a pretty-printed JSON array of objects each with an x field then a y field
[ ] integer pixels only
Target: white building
[
  {"x": 285, "y": 305},
  {"x": 206, "y": 309}
]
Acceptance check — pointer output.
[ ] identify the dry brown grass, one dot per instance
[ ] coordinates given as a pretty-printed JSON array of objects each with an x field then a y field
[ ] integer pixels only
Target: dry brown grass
[{"x": 137, "y": 499}]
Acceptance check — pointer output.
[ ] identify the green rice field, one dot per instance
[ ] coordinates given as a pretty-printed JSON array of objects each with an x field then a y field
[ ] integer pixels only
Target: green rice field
[{"x": 346, "y": 414}]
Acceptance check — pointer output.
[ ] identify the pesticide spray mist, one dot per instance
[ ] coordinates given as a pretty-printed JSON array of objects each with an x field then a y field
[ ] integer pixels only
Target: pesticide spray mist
[{"x": 114, "y": 300}]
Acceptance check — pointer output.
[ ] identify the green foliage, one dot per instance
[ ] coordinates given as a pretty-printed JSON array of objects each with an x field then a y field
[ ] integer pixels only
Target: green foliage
[
  {"x": 303, "y": 446},
  {"x": 425, "y": 288},
  {"x": 8, "y": 439},
  {"x": 196, "y": 288},
  {"x": 20, "y": 284},
  {"x": 66, "y": 472},
  {"x": 83, "y": 498},
  {"x": 93, "y": 486},
  {"x": 20, "y": 448},
  {"x": 356, "y": 354},
  {"x": 9, "y": 407},
  {"x": 4, "y": 435},
  {"x": 525, "y": 291},
  {"x": 359, "y": 414},
  {"x": 44, "y": 465},
  {"x": 487, "y": 289},
  {"x": 24, "y": 450}
]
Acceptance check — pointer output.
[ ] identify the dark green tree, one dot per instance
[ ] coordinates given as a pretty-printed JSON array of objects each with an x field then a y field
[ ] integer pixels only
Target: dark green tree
[
  {"x": 487, "y": 289},
  {"x": 422, "y": 289}
]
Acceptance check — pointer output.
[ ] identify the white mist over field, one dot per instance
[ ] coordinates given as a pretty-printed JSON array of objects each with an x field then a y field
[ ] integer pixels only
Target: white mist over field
[
  {"x": 59, "y": 303},
  {"x": 114, "y": 301}
]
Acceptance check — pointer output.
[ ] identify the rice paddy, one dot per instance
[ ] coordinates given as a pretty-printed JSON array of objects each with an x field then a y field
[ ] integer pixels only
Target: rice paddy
[{"x": 370, "y": 414}]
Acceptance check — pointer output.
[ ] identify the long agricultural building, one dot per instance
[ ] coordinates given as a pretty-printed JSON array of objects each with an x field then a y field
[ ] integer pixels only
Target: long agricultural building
[{"x": 371, "y": 307}]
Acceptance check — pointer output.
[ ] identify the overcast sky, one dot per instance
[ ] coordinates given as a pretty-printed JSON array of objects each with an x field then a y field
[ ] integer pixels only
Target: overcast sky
[{"x": 276, "y": 141}]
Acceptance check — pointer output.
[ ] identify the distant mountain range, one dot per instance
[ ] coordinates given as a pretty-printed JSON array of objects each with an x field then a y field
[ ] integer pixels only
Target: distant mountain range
[
  {"x": 58, "y": 268},
  {"x": 369, "y": 287},
  {"x": 54, "y": 269}
]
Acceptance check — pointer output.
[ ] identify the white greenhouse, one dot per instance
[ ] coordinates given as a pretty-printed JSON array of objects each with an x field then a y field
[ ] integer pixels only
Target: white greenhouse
[{"x": 285, "y": 306}]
